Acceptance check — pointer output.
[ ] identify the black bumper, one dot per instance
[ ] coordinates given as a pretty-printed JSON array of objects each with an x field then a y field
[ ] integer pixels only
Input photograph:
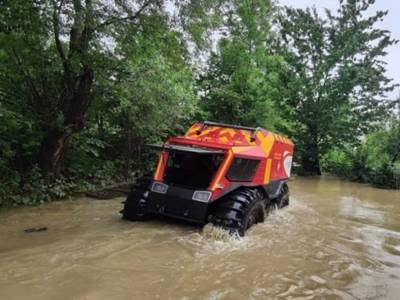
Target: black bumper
[{"x": 178, "y": 203}]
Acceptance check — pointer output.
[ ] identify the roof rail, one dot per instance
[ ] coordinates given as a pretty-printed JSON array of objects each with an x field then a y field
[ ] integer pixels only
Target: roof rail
[{"x": 254, "y": 130}]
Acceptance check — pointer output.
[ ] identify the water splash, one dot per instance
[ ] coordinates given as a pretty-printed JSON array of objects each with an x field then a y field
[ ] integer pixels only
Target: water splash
[{"x": 216, "y": 233}]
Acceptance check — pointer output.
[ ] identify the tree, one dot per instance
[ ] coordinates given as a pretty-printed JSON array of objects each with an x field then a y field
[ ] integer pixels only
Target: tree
[
  {"x": 26, "y": 81},
  {"x": 338, "y": 79},
  {"x": 156, "y": 95},
  {"x": 243, "y": 84},
  {"x": 63, "y": 47}
]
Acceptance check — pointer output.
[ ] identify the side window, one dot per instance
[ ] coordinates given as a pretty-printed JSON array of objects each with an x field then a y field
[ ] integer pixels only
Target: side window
[{"x": 242, "y": 169}]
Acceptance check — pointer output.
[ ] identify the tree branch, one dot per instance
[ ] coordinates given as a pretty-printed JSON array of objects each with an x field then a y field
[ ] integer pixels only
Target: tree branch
[
  {"x": 56, "y": 28},
  {"x": 127, "y": 18},
  {"x": 87, "y": 31},
  {"x": 76, "y": 29}
]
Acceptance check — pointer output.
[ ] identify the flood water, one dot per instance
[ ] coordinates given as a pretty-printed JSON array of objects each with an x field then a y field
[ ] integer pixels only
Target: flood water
[{"x": 337, "y": 240}]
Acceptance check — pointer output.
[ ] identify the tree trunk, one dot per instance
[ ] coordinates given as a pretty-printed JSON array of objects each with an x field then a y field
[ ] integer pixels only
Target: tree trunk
[
  {"x": 76, "y": 87},
  {"x": 51, "y": 158},
  {"x": 311, "y": 164},
  {"x": 310, "y": 156},
  {"x": 128, "y": 153},
  {"x": 52, "y": 153}
]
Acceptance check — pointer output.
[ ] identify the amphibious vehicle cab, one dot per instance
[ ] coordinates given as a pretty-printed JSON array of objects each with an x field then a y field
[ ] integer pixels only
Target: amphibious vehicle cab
[{"x": 225, "y": 174}]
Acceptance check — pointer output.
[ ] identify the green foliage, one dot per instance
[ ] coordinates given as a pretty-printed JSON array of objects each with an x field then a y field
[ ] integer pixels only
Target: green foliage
[
  {"x": 157, "y": 96},
  {"x": 337, "y": 76},
  {"x": 376, "y": 160},
  {"x": 198, "y": 18},
  {"x": 83, "y": 87},
  {"x": 244, "y": 83}
]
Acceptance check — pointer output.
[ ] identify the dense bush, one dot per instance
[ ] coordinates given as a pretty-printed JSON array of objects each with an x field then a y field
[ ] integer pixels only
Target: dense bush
[
  {"x": 84, "y": 87},
  {"x": 376, "y": 160}
]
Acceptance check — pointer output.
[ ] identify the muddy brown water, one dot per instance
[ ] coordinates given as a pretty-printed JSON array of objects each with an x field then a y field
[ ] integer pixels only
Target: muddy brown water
[{"x": 337, "y": 240}]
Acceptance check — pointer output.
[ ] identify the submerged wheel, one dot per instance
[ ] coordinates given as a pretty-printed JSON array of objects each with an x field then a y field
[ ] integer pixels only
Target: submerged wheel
[
  {"x": 239, "y": 210},
  {"x": 135, "y": 206},
  {"x": 282, "y": 200}
]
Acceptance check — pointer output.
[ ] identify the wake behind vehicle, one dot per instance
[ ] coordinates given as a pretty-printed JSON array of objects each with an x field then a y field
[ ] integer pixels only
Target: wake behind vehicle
[{"x": 225, "y": 174}]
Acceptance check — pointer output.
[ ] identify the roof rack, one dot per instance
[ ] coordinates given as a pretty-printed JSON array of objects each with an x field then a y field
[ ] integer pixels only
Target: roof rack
[
  {"x": 185, "y": 149},
  {"x": 254, "y": 130}
]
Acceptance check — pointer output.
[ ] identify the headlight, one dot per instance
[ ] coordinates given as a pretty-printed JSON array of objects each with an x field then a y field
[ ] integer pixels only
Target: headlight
[
  {"x": 202, "y": 196},
  {"x": 158, "y": 187}
]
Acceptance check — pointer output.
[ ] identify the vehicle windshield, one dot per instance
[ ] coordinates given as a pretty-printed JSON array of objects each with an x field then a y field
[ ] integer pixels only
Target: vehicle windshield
[{"x": 191, "y": 169}]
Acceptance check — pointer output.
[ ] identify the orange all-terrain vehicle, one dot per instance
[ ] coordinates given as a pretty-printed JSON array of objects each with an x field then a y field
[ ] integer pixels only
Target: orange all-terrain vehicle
[{"x": 228, "y": 175}]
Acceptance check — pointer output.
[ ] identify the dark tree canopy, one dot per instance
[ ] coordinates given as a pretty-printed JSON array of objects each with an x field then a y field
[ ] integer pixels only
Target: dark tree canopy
[{"x": 84, "y": 84}]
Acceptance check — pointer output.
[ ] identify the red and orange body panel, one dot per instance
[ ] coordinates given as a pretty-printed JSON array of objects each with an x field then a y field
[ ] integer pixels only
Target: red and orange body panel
[{"x": 274, "y": 153}]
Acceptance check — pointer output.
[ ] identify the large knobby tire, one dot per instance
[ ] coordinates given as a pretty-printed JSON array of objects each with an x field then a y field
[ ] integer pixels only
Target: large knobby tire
[
  {"x": 239, "y": 210},
  {"x": 282, "y": 200},
  {"x": 135, "y": 206}
]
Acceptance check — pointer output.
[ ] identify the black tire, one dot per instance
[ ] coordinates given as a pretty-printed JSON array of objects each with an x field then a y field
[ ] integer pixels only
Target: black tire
[
  {"x": 282, "y": 200},
  {"x": 239, "y": 210},
  {"x": 135, "y": 206}
]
